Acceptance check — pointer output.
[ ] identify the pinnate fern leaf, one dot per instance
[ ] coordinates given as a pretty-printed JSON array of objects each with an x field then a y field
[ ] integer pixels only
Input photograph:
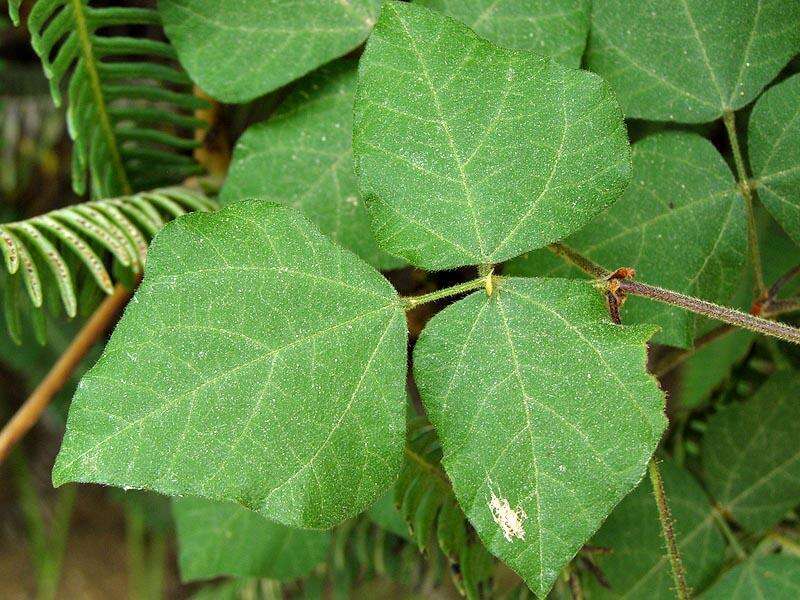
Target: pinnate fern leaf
[
  {"x": 129, "y": 105},
  {"x": 35, "y": 250},
  {"x": 426, "y": 501}
]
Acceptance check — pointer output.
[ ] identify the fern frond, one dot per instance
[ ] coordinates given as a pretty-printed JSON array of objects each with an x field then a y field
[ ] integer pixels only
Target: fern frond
[
  {"x": 122, "y": 92},
  {"x": 96, "y": 233},
  {"x": 426, "y": 501}
]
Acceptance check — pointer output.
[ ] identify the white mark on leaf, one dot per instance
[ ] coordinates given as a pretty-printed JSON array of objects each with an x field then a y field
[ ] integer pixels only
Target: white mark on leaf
[{"x": 511, "y": 522}]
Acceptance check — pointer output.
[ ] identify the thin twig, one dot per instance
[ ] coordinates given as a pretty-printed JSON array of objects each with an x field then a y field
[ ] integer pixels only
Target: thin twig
[
  {"x": 574, "y": 584},
  {"x": 714, "y": 311},
  {"x": 747, "y": 191},
  {"x": 779, "y": 307},
  {"x": 726, "y": 531},
  {"x": 30, "y": 411},
  {"x": 664, "y": 516}
]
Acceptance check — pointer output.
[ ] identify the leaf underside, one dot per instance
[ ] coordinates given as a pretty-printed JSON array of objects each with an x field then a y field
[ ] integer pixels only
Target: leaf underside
[
  {"x": 302, "y": 156},
  {"x": 538, "y": 399},
  {"x": 681, "y": 224},
  {"x": 258, "y": 363},
  {"x": 221, "y": 538},
  {"x": 690, "y": 60},
  {"x": 469, "y": 153},
  {"x": 237, "y": 51}
]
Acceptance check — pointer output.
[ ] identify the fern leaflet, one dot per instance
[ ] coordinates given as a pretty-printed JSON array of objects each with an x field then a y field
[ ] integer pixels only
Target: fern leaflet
[
  {"x": 129, "y": 107},
  {"x": 118, "y": 228}
]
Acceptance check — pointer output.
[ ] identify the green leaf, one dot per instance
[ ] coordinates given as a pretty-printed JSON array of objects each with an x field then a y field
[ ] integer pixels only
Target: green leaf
[
  {"x": 681, "y": 224},
  {"x": 710, "y": 366},
  {"x": 385, "y": 514},
  {"x": 302, "y": 156},
  {"x": 259, "y": 363},
  {"x": 469, "y": 153},
  {"x": 554, "y": 28},
  {"x": 637, "y": 566},
  {"x": 538, "y": 399},
  {"x": 774, "y": 143},
  {"x": 237, "y": 51},
  {"x": 222, "y": 538},
  {"x": 690, "y": 60},
  {"x": 776, "y": 577},
  {"x": 750, "y": 454}
]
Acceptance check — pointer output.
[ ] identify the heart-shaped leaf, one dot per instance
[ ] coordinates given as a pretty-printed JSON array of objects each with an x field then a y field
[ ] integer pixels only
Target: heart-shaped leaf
[
  {"x": 469, "y": 153},
  {"x": 545, "y": 412},
  {"x": 774, "y": 143},
  {"x": 302, "y": 156},
  {"x": 690, "y": 60},
  {"x": 258, "y": 362},
  {"x": 239, "y": 50}
]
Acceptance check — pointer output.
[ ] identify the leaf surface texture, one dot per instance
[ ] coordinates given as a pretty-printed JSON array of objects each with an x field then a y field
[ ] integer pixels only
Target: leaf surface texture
[
  {"x": 470, "y": 153},
  {"x": 538, "y": 399},
  {"x": 258, "y": 363}
]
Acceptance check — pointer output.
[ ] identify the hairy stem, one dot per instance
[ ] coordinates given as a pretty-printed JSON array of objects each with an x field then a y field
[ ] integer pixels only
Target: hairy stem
[
  {"x": 664, "y": 516},
  {"x": 576, "y": 258},
  {"x": 714, "y": 311},
  {"x": 30, "y": 411},
  {"x": 747, "y": 191},
  {"x": 475, "y": 284}
]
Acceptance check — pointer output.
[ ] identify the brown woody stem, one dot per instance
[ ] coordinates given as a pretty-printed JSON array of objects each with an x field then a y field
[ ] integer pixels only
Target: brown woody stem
[
  {"x": 714, "y": 311},
  {"x": 30, "y": 411}
]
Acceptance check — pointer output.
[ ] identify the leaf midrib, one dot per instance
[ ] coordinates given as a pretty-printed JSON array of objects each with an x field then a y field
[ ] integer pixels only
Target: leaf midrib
[
  {"x": 174, "y": 401},
  {"x": 90, "y": 64}
]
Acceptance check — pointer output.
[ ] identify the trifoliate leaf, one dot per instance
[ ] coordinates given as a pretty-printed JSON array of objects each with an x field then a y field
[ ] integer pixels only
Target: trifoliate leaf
[
  {"x": 774, "y": 143},
  {"x": 637, "y": 564},
  {"x": 223, "y": 538},
  {"x": 750, "y": 455},
  {"x": 776, "y": 577},
  {"x": 546, "y": 415},
  {"x": 237, "y": 51},
  {"x": 302, "y": 157},
  {"x": 470, "y": 153},
  {"x": 554, "y": 28},
  {"x": 690, "y": 60},
  {"x": 258, "y": 362},
  {"x": 681, "y": 224}
]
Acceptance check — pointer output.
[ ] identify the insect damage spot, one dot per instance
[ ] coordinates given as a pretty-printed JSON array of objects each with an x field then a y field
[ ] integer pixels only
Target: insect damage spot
[{"x": 510, "y": 521}]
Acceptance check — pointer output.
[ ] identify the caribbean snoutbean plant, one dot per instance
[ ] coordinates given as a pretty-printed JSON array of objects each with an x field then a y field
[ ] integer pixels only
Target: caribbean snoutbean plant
[{"x": 259, "y": 375}]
